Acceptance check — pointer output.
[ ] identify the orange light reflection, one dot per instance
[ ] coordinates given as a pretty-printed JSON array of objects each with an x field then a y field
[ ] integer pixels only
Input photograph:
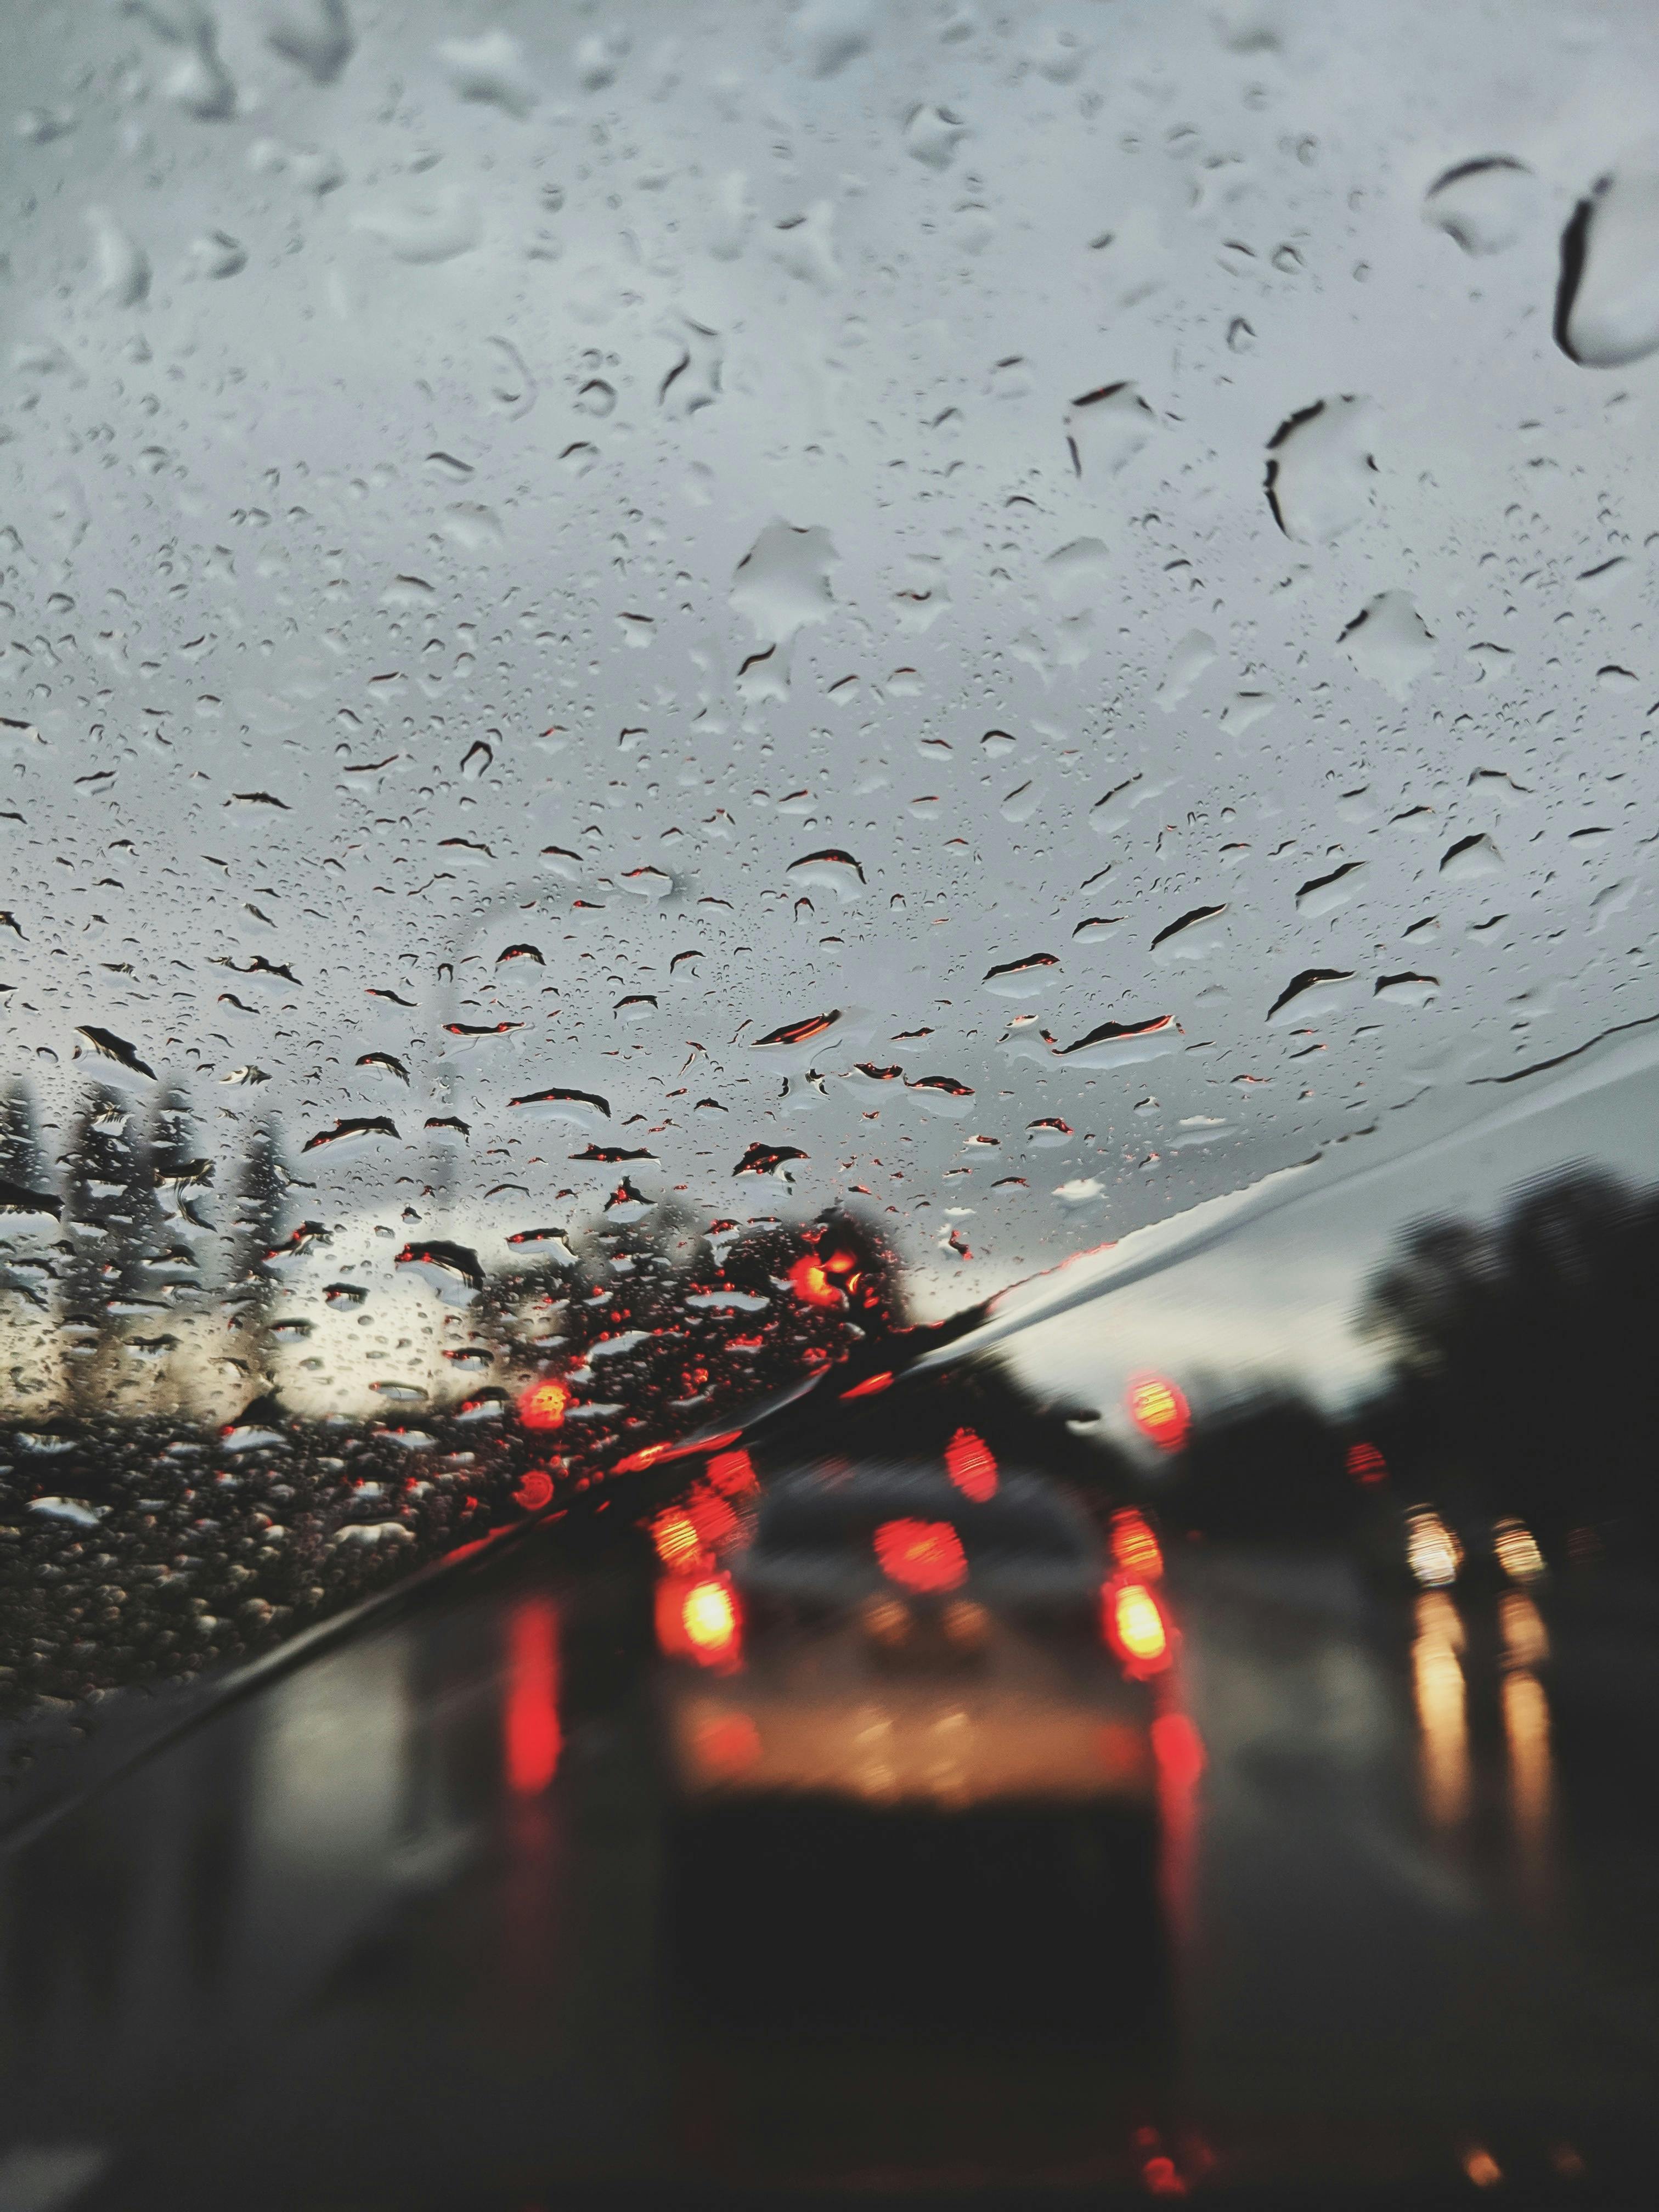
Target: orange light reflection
[
  {"x": 1441, "y": 1713},
  {"x": 1527, "y": 1732}
]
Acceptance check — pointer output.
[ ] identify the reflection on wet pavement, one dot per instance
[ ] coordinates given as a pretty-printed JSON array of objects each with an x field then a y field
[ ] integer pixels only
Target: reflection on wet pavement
[{"x": 430, "y": 1902}]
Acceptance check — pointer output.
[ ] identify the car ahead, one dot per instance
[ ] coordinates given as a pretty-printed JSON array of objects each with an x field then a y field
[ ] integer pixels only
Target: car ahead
[{"x": 908, "y": 1634}]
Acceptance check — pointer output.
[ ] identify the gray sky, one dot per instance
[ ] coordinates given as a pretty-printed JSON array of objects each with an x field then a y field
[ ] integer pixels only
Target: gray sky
[{"x": 473, "y": 478}]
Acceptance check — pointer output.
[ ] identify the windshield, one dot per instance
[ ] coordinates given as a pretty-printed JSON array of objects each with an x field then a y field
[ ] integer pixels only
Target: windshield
[{"x": 741, "y": 733}]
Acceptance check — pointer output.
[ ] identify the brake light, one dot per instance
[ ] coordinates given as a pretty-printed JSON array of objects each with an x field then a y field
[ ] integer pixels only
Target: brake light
[
  {"x": 971, "y": 1464},
  {"x": 921, "y": 1555},
  {"x": 733, "y": 1472},
  {"x": 698, "y": 1617},
  {"x": 1159, "y": 1411},
  {"x": 675, "y": 1538},
  {"x": 1366, "y": 1464},
  {"x": 1135, "y": 1628},
  {"x": 1135, "y": 1547}
]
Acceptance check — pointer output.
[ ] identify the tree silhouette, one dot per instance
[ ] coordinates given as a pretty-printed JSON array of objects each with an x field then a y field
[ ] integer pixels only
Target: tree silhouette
[
  {"x": 111, "y": 1216},
  {"x": 1529, "y": 1347},
  {"x": 248, "y": 1292}
]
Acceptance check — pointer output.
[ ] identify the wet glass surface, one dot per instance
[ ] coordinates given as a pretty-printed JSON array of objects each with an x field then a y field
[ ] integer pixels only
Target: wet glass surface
[{"x": 864, "y": 769}]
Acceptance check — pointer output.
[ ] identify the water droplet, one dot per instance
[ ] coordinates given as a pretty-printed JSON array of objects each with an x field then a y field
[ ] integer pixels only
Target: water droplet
[
  {"x": 108, "y": 1046},
  {"x": 782, "y": 585},
  {"x": 217, "y": 254},
  {"x": 1081, "y": 1191},
  {"x": 1199, "y": 934},
  {"x": 1310, "y": 996},
  {"x": 349, "y": 1127},
  {"x": 831, "y": 870},
  {"x": 1607, "y": 303},
  {"x": 583, "y": 1108},
  {"x": 1024, "y": 978},
  {"x": 830, "y": 33},
  {"x": 1193, "y": 655},
  {"x": 489, "y": 67},
  {"x": 1389, "y": 641},
  {"x": 1411, "y": 992},
  {"x": 1484, "y": 204},
  {"x": 1470, "y": 859},
  {"x": 1320, "y": 467},
  {"x": 123, "y": 264},
  {"x": 767, "y": 1159},
  {"x": 1323, "y": 894},
  {"x": 1122, "y": 1044},
  {"x": 453, "y": 1270},
  {"x": 1105, "y": 430},
  {"x": 438, "y": 227},
  {"x": 931, "y": 136}
]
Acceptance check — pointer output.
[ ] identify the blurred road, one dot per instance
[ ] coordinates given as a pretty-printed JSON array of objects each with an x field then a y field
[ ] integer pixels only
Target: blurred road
[{"x": 414, "y": 1927}]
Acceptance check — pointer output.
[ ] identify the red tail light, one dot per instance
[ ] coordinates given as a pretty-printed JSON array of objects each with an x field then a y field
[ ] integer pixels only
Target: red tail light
[
  {"x": 971, "y": 1464},
  {"x": 699, "y": 1618},
  {"x": 1159, "y": 1411},
  {"x": 1133, "y": 1622},
  {"x": 1135, "y": 1547},
  {"x": 1366, "y": 1463},
  {"x": 921, "y": 1555}
]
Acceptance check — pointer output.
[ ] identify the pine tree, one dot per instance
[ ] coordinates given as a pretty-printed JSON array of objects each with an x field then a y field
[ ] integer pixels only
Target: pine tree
[
  {"x": 249, "y": 1291},
  {"x": 109, "y": 1216}
]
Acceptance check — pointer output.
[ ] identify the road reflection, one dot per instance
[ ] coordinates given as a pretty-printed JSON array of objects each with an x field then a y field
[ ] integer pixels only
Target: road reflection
[{"x": 1442, "y": 1709}]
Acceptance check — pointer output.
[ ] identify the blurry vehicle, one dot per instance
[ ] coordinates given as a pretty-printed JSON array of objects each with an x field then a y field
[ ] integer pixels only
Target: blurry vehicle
[{"x": 906, "y": 1635}]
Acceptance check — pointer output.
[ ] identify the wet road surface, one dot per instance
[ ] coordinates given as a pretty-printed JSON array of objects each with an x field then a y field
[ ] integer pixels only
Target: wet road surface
[{"x": 418, "y": 1925}]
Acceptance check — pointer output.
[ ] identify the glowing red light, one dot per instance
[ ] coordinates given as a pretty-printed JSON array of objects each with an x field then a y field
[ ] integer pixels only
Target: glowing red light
[
  {"x": 654, "y": 1454},
  {"x": 678, "y": 1542},
  {"x": 713, "y": 1517},
  {"x": 1162, "y": 2177},
  {"x": 971, "y": 1464},
  {"x": 810, "y": 1281},
  {"x": 733, "y": 1472},
  {"x": 1135, "y": 1547},
  {"x": 535, "y": 1490},
  {"x": 1158, "y": 1411},
  {"x": 1135, "y": 1628},
  {"x": 698, "y": 1617},
  {"x": 869, "y": 1387},
  {"x": 921, "y": 1555},
  {"x": 1366, "y": 1463},
  {"x": 728, "y": 1745},
  {"x": 533, "y": 1736},
  {"x": 543, "y": 1404},
  {"x": 1178, "y": 1748}
]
